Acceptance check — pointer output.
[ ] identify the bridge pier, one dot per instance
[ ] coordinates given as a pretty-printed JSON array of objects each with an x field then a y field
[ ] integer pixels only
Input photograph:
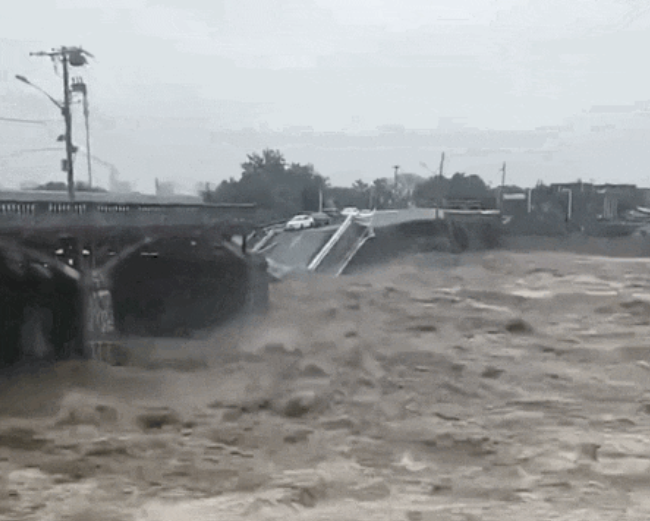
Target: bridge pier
[
  {"x": 160, "y": 289},
  {"x": 55, "y": 309}
]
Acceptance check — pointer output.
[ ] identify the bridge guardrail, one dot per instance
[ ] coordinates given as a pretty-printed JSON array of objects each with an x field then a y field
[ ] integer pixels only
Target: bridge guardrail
[
  {"x": 367, "y": 234},
  {"x": 91, "y": 213},
  {"x": 348, "y": 238},
  {"x": 318, "y": 259},
  {"x": 340, "y": 250}
]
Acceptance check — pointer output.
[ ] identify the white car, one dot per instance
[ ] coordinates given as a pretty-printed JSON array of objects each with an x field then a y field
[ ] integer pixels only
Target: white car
[
  {"x": 300, "y": 222},
  {"x": 350, "y": 211}
]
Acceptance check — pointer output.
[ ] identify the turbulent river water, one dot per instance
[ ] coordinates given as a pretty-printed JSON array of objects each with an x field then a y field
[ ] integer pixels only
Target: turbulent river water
[{"x": 488, "y": 386}]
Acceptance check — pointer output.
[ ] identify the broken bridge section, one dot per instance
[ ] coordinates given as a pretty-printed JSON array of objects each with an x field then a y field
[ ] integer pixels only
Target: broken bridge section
[
  {"x": 76, "y": 277},
  {"x": 378, "y": 236}
]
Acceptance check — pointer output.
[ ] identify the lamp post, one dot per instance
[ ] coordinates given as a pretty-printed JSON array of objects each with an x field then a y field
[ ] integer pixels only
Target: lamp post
[
  {"x": 26, "y": 81},
  {"x": 65, "y": 110},
  {"x": 569, "y": 208}
]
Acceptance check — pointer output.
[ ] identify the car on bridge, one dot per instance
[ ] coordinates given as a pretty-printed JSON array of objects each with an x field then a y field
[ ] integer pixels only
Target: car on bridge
[
  {"x": 350, "y": 211},
  {"x": 321, "y": 219},
  {"x": 300, "y": 222}
]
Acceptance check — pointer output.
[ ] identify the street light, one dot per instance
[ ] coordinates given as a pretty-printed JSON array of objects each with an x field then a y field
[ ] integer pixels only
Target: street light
[
  {"x": 25, "y": 80},
  {"x": 569, "y": 209},
  {"x": 67, "y": 137}
]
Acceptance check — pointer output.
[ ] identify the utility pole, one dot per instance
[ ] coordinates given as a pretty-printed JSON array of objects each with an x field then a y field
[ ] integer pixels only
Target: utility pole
[
  {"x": 79, "y": 86},
  {"x": 75, "y": 57},
  {"x": 442, "y": 164},
  {"x": 90, "y": 174},
  {"x": 503, "y": 184},
  {"x": 68, "y": 126}
]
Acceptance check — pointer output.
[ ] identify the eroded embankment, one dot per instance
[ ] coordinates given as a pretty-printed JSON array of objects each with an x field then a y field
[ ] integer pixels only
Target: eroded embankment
[
  {"x": 403, "y": 240},
  {"x": 630, "y": 246}
]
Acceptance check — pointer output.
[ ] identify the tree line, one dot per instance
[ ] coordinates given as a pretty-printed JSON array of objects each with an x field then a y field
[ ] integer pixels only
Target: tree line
[{"x": 281, "y": 189}]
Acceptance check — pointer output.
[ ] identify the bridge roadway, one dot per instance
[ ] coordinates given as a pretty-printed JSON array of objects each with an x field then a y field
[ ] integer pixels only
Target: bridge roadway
[{"x": 294, "y": 250}]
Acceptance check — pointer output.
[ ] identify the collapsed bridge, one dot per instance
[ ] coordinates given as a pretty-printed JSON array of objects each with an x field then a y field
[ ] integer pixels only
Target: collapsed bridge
[{"x": 375, "y": 237}]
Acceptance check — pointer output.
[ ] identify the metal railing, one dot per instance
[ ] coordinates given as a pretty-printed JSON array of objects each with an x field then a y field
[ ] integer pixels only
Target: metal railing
[
  {"x": 47, "y": 213},
  {"x": 341, "y": 249},
  {"x": 367, "y": 234},
  {"x": 313, "y": 265}
]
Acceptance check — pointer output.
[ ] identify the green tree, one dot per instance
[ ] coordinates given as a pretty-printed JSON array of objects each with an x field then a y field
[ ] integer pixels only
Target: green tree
[
  {"x": 279, "y": 189},
  {"x": 463, "y": 186},
  {"x": 360, "y": 186},
  {"x": 431, "y": 192},
  {"x": 382, "y": 194}
]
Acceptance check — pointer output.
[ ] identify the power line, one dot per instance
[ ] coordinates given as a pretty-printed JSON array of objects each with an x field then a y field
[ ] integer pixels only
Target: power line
[
  {"x": 32, "y": 121},
  {"x": 28, "y": 151}
]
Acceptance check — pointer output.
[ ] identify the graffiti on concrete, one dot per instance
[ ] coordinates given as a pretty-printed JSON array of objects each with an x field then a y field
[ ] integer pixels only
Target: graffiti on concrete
[{"x": 101, "y": 319}]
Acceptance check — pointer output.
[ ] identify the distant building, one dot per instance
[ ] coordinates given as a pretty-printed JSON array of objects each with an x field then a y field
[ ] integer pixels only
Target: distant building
[
  {"x": 165, "y": 189},
  {"x": 117, "y": 186},
  {"x": 601, "y": 201}
]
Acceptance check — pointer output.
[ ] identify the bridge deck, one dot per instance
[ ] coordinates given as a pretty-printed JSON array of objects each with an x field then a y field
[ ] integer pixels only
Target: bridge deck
[{"x": 297, "y": 249}]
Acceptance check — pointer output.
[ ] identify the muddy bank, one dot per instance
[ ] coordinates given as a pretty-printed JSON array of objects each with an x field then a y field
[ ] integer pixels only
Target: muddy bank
[
  {"x": 486, "y": 386},
  {"x": 630, "y": 246},
  {"x": 391, "y": 243}
]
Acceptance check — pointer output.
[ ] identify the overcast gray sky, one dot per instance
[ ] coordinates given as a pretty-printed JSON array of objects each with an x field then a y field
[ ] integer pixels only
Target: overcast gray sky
[{"x": 328, "y": 64}]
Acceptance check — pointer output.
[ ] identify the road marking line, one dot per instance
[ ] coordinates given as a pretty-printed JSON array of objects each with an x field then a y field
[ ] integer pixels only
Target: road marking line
[{"x": 295, "y": 241}]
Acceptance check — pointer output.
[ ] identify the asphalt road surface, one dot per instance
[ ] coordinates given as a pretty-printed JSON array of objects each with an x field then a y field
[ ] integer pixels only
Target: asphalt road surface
[{"x": 297, "y": 249}]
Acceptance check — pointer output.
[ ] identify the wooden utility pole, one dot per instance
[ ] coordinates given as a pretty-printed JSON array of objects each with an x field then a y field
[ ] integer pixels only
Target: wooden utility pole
[
  {"x": 86, "y": 114},
  {"x": 79, "y": 86},
  {"x": 75, "y": 57},
  {"x": 503, "y": 184}
]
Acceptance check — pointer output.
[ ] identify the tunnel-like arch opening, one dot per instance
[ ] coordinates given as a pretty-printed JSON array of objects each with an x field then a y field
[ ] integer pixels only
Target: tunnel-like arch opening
[
  {"x": 40, "y": 314},
  {"x": 171, "y": 287}
]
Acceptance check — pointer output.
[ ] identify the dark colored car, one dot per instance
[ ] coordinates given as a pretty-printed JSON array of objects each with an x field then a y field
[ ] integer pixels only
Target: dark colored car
[{"x": 321, "y": 219}]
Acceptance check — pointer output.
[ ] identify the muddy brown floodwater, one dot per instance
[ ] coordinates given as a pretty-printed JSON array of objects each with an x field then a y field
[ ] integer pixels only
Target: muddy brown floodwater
[{"x": 489, "y": 386}]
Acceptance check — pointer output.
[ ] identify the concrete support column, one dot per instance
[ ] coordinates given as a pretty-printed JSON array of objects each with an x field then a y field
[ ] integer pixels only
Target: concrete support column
[
  {"x": 257, "y": 284},
  {"x": 100, "y": 334}
]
